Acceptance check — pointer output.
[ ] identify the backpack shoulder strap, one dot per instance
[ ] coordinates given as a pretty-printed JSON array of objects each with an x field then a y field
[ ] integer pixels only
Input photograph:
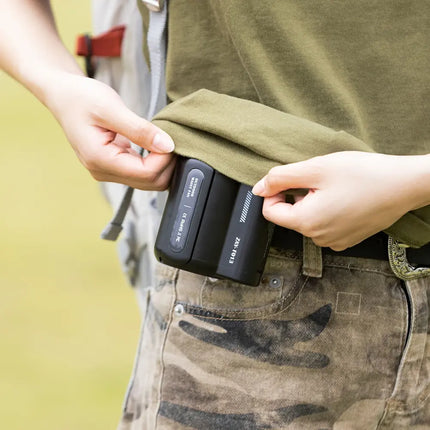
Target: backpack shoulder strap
[{"x": 157, "y": 57}]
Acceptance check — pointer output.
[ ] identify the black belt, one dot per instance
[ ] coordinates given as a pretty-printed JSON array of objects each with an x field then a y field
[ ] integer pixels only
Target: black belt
[{"x": 374, "y": 247}]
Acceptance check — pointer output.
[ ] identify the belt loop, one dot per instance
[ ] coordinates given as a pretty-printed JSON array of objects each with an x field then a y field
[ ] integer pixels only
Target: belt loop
[{"x": 312, "y": 259}]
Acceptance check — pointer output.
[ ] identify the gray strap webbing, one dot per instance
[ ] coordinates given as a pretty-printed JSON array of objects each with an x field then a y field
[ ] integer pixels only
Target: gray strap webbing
[{"x": 157, "y": 57}]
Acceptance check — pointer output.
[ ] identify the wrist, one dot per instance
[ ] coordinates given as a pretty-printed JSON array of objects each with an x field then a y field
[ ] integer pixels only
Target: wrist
[
  {"x": 47, "y": 84},
  {"x": 417, "y": 175}
]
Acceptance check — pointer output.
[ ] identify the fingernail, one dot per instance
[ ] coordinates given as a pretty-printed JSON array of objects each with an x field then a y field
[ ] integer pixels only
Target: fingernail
[
  {"x": 258, "y": 187},
  {"x": 163, "y": 142}
]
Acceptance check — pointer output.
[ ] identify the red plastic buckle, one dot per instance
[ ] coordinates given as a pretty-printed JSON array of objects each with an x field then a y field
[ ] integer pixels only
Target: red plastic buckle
[{"x": 106, "y": 44}]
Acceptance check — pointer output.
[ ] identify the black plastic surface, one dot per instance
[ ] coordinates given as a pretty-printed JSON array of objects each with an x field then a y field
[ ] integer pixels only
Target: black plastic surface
[{"x": 212, "y": 225}]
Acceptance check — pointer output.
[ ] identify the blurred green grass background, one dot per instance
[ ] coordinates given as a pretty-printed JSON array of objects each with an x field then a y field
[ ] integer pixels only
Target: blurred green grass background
[{"x": 69, "y": 322}]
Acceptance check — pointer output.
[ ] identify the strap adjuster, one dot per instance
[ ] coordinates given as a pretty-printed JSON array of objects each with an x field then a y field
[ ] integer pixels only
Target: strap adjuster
[
  {"x": 107, "y": 44},
  {"x": 153, "y": 5},
  {"x": 89, "y": 66}
]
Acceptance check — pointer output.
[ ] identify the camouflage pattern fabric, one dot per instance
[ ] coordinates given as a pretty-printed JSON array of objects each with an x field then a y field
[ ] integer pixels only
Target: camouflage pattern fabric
[{"x": 348, "y": 351}]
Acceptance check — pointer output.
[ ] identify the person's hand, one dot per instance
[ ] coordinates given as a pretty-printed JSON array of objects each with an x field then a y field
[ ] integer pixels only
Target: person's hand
[
  {"x": 100, "y": 127},
  {"x": 352, "y": 195}
]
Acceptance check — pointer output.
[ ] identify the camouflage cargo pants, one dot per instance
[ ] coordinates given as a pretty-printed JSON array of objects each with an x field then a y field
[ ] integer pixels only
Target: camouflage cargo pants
[{"x": 350, "y": 350}]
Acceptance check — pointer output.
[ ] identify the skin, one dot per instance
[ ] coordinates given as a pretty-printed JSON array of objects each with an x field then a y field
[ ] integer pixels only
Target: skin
[
  {"x": 95, "y": 120},
  {"x": 351, "y": 196}
]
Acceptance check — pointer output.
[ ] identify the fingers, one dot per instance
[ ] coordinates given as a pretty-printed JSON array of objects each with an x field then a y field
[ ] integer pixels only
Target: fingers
[
  {"x": 122, "y": 142},
  {"x": 100, "y": 128},
  {"x": 110, "y": 157},
  {"x": 117, "y": 117},
  {"x": 296, "y": 175},
  {"x": 164, "y": 179},
  {"x": 276, "y": 210},
  {"x": 160, "y": 184},
  {"x": 322, "y": 225},
  {"x": 123, "y": 165}
]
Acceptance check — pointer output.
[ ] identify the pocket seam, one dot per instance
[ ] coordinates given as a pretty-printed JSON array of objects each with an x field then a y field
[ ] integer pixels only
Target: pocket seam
[
  {"x": 404, "y": 406},
  {"x": 257, "y": 313}
]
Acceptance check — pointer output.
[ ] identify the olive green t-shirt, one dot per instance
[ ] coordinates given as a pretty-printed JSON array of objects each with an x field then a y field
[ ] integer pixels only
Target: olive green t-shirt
[{"x": 253, "y": 84}]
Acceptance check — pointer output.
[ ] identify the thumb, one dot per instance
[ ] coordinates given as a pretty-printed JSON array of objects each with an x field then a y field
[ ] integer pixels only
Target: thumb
[
  {"x": 300, "y": 175},
  {"x": 122, "y": 120}
]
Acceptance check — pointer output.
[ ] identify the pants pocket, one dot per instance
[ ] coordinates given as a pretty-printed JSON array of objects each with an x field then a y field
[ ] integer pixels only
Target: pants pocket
[
  {"x": 327, "y": 357},
  {"x": 409, "y": 405},
  {"x": 208, "y": 297}
]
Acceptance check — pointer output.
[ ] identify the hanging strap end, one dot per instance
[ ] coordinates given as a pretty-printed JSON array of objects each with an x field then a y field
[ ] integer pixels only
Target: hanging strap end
[{"x": 111, "y": 232}]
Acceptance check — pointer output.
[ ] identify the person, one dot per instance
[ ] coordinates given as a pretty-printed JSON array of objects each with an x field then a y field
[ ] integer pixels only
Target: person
[{"x": 334, "y": 338}]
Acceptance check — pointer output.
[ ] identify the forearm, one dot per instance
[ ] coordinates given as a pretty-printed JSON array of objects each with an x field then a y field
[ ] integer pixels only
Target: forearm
[
  {"x": 417, "y": 180},
  {"x": 30, "y": 48},
  {"x": 97, "y": 123}
]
